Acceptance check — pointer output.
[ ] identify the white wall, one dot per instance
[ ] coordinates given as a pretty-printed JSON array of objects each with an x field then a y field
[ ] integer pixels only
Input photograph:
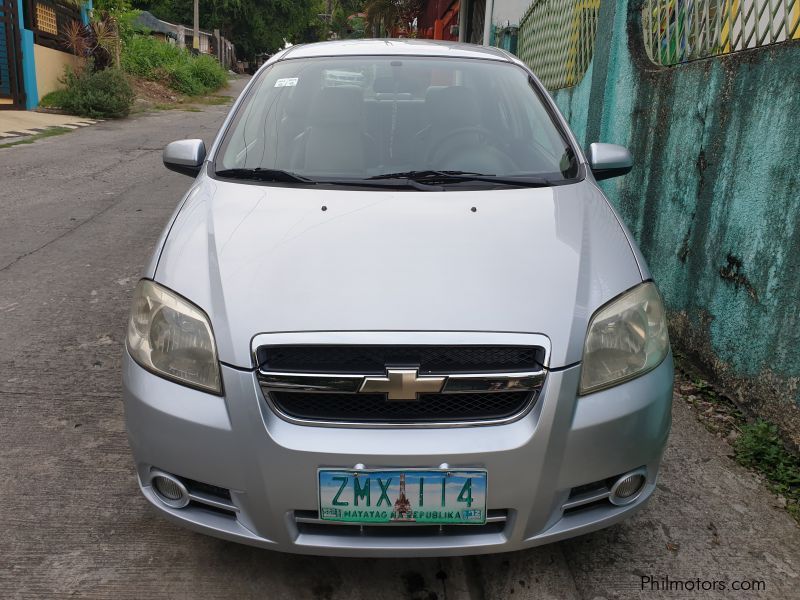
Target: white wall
[{"x": 509, "y": 10}]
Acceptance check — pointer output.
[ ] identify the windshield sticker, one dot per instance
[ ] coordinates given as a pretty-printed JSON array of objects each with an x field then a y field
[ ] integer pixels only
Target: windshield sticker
[{"x": 286, "y": 82}]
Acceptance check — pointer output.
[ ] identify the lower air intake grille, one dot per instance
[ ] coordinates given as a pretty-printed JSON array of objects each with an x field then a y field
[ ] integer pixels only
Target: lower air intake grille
[{"x": 375, "y": 408}]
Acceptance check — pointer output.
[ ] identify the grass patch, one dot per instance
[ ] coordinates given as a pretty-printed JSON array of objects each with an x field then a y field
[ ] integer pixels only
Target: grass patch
[
  {"x": 55, "y": 99},
  {"x": 211, "y": 100},
  {"x": 51, "y": 132},
  {"x": 183, "y": 72},
  {"x": 757, "y": 445},
  {"x": 164, "y": 106},
  {"x": 192, "y": 103}
]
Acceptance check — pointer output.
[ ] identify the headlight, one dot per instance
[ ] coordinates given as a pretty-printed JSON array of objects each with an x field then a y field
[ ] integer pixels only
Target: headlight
[
  {"x": 626, "y": 338},
  {"x": 172, "y": 337}
]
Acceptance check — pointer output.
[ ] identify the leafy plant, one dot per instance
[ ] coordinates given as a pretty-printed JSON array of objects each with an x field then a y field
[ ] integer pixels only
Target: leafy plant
[
  {"x": 759, "y": 447},
  {"x": 93, "y": 94},
  {"x": 180, "y": 78},
  {"x": 756, "y": 445},
  {"x": 105, "y": 34},
  {"x": 98, "y": 41},
  {"x": 208, "y": 72}
]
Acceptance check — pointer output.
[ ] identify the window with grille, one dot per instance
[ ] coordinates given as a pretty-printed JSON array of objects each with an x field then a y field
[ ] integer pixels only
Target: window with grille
[{"x": 46, "y": 18}]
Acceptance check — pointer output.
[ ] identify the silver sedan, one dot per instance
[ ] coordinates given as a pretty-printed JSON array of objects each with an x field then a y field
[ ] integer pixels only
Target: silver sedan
[{"x": 395, "y": 315}]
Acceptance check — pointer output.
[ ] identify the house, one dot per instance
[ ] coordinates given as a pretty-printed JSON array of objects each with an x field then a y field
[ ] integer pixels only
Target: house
[
  {"x": 32, "y": 53},
  {"x": 454, "y": 20}
]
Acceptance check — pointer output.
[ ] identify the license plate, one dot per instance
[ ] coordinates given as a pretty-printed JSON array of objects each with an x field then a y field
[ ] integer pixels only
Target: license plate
[{"x": 407, "y": 496}]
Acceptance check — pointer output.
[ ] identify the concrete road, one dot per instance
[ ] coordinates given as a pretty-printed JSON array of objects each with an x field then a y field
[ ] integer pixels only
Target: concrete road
[
  {"x": 79, "y": 214},
  {"x": 19, "y": 123}
]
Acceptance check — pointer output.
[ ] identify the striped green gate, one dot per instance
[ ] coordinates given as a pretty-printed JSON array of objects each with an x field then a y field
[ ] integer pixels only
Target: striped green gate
[{"x": 556, "y": 40}]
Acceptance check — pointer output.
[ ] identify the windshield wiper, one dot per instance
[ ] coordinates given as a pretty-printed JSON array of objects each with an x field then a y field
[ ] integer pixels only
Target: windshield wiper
[
  {"x": 427, "y": 174},
  {"x": 421, "y": 180},
  {"x": 385, "y": 183},
  {"x": 259, "y": 174},
  {"x": 432, "y": 177}
]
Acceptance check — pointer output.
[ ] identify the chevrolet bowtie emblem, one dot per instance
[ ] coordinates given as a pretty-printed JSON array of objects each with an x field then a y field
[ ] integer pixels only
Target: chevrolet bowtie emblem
[{"x": 402, "y": 384}]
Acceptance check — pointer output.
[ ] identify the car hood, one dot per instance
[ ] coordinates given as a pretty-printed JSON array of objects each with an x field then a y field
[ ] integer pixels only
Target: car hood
[{"x": 262, "y": 259}]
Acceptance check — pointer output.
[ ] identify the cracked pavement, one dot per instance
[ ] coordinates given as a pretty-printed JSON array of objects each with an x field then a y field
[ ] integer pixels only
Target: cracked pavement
[{"x": 79, "y": 216}]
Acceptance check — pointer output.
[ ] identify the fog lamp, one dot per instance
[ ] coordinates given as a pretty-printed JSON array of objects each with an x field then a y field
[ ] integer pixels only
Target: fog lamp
[
  {"x": 170, "y": 490},
  {"x": 627, "y": 488}
]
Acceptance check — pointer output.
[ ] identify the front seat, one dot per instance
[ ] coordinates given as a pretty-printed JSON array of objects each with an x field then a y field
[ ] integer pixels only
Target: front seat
[
  {"x": 448, "y": 109},
  {"x": 334, "y": 142},
  {"x": 297, "y": 110},
  {"x": 454, "y": 138}
]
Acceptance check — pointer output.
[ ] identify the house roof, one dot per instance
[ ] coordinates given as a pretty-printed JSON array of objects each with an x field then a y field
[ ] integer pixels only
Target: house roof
[
  {"x": 153, "y": 23},
  {"x": 146, "y": 19}
]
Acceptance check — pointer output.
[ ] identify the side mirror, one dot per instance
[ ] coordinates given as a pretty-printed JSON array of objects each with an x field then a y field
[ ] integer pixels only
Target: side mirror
[
  {"x": 185, "y": 156},
  {"x": 609, "y": 160}
]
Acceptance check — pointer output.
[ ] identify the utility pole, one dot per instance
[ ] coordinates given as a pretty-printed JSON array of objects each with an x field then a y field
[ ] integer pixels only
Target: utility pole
[
  {"x": 196, "y": 36},
  {"x": 487, "y": 23},
  {"x": 329, "y": 12}
]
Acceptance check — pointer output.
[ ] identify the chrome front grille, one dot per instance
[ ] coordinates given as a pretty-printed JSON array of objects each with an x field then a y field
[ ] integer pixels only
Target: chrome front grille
[
  {"x": 416, "y": 386},
  {"x": 371, "y": 358}
]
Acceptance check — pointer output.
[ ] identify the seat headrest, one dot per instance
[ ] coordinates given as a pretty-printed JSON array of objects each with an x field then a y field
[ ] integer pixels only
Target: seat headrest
[
  {"x": 455, "y": 105},
  {"x": 340, "y": 105},
  {"x": 300, "y": 100},
  {"x": 383, "y": 85},
  {"x": 400, "y": 83}
]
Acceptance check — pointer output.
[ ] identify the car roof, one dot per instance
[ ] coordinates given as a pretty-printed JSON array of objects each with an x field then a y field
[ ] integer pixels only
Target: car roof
[{"x": 395, "y": 47}]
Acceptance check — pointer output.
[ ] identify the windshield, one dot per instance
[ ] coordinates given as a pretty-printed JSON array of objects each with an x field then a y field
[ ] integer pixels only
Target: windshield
[{"x": 375, "y": 117}]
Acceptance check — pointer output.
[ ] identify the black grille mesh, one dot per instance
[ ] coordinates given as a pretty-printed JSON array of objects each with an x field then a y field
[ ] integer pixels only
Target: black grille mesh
[
  {"x": 389, "y": 531},
  {"x": 375, "y": 408},
  {"x": 374, "y": 359}
]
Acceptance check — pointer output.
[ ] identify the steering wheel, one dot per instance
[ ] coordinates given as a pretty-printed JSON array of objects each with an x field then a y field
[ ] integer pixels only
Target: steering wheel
[{"x": 491, "y": 138}]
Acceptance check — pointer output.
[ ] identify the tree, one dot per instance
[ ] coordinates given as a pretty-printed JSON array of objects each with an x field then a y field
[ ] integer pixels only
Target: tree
[
  {"x": 393, "y": 16},
  {"x": 347, "y": 21},
  {"x": 382, "y": 16},
  {"x": 254, "y": 26}
]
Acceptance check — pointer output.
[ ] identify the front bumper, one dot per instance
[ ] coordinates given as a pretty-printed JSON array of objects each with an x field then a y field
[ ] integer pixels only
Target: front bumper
[{"x": 269, "y": 465}]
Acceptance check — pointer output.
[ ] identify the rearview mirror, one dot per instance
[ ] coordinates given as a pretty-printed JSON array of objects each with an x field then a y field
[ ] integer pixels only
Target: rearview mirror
[
  {"x": 185, "y": 156},
  {"x": 609, "y": 160}
]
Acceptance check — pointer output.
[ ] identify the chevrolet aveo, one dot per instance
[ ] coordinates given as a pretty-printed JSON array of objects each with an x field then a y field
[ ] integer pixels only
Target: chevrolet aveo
[{"x": 395, "y": 315}]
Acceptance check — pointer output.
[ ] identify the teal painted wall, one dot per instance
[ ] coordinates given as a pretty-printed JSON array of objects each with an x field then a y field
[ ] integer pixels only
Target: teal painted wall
[
  {"x": 714, "y": 198},
  {"x": 28, "y": 66},
  {"x": 86, "y": 11},
  {"x": 574, "y": 104}
]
